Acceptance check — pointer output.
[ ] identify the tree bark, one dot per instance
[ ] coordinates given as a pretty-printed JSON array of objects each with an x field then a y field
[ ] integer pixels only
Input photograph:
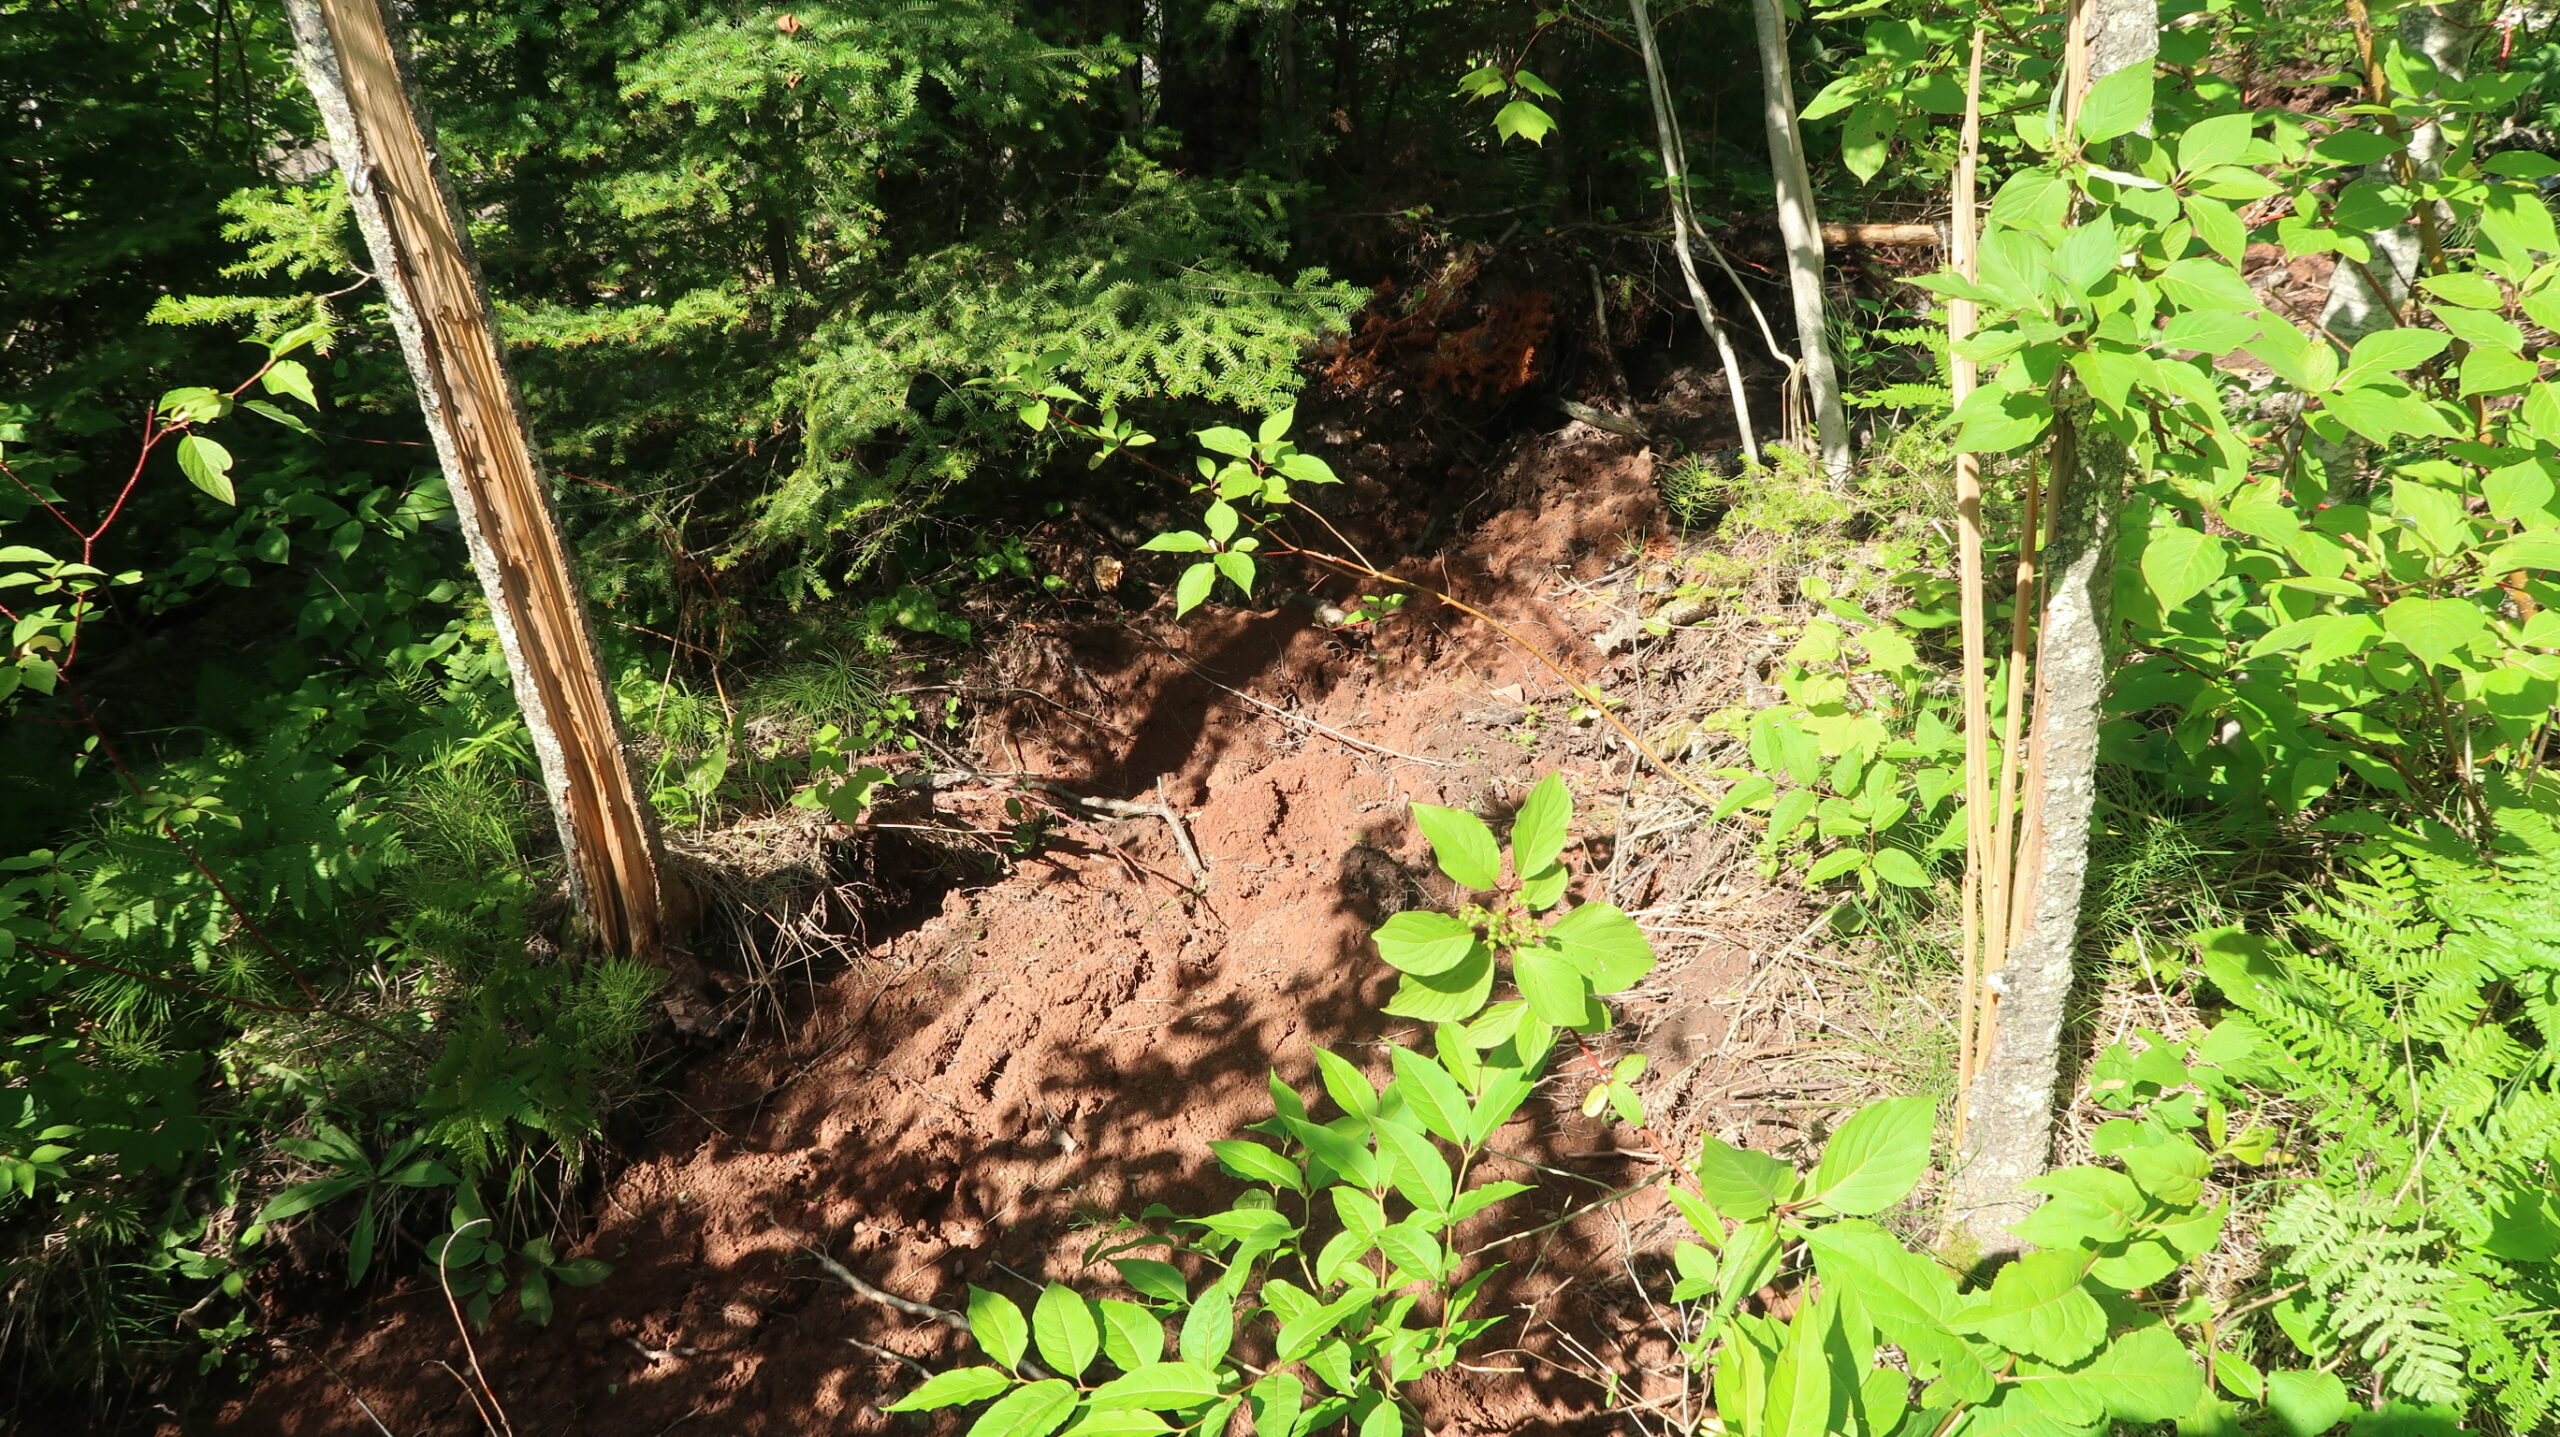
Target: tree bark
[
  {"x": 358, "y": 71},
  {"x": 2008, "y": 1138},
  {"x": 1803, "y": 237}
]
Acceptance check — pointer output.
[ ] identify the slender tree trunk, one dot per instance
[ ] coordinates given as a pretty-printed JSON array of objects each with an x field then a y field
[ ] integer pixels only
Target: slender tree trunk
[
  {"x": 2367, "y": 296},
  {"x": 1803, "y": 238},
  {"x": 359, "y": 74},
  {"x": 2008, "y": 1137},
  {"x": 1666, "y": 130}
]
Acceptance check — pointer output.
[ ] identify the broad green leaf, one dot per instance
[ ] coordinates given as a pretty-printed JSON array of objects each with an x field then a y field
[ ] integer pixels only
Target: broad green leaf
[
  {"x": 207, "y": 465},
  {"x": 1605, "y": 944},
  {"x": 1462, "y": 844},
  {"x": 2179, "y": 563},
  {"x": 303, "y": 1197},
  {"x": 1876, "y": 1157},
  {"x": 2307, "y": 1403},
  {"x": 2118, "y": 103},
  {"x": 1159, "y": 1280},
  {"x": 1033, "y": 1411},
  {"x": 2216, "y": 140},
  {"x": 1350, "y": 1157},
  {"x": 1431, "y": 1095},
  {"x": 1234, "y": 443},
  {"x": 1180, "y": 541},
  {"x": 1453, "y": 996},
  {"x": 1132, "y": 1337},
  {"x": 2216, "y": 332},
  {"x": 1557, "y": 990},
  {"x": 1538, "y": 833},
  {"x": 2389, "y": 351},
  {"x": 1159, "y": 1387},
  {"x": 1419, "y": 940},
  {"x": 1910, "y": 1297},
  {"x": 1349, "y": 1088},
  {"x": 2436, "y": 630},
  {"x": 1521, "y": 120},
  {"x": 950, "y": 1389},
  {"x": 1898, "y": 867},
  {"x": 288, "y": 377},
  {"x": 1415, "y": 1167},
  {"x": 1800, "y": 1395},
  {"x": 1742, "y": 1184},
  {"x": 1209, "y": 1328},
  {"x": 1255, "y": 1163},
  {"x": 1116, "y": 1422},
  {"x": 998, "y": 1326},
  {"x": 2038, "y": 1307},
  {"x": 2383, "y": 413},
  {"x": 2146, "y": 1375},
  {"x": 2083, "y": 1207},
  {"x": 1192, "y": 587}
]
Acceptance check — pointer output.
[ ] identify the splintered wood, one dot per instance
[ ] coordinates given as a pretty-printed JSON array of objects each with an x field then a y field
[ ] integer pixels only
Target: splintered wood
[{"x": 414, "y": 233}]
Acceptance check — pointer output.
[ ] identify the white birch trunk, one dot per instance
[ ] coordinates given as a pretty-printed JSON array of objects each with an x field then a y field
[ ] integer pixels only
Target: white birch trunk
[{"x": 1803, "y": 237}]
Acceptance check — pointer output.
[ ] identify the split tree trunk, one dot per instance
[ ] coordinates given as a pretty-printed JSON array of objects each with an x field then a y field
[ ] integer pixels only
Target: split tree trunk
[
  {"x": 2008, "y": 1137},
  {"x": 360, "y": 75},
  {"x": 1803, "y": 239}
]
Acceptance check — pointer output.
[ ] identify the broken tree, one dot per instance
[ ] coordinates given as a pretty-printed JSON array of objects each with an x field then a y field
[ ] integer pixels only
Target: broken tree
[{"x": 358, "y": 71}]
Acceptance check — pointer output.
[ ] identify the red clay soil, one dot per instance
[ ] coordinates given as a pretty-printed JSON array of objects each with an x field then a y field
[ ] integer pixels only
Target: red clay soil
[{"x": 967, "y": 1103}]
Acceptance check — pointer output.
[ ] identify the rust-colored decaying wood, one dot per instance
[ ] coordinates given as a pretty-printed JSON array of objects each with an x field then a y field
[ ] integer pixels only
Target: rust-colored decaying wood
[
  {"x": 357, "y": 72},
  {"x": 1883, "y": 236}
]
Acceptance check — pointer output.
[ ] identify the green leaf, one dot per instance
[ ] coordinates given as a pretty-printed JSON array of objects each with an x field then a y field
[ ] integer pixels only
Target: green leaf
[
  {"x": 1161, "y": 1387},
  {"x": 1180, "y": 541},
  {"x": 1895, "y": 866},
  {"x": 2038, "y": 1307},
  {"x": 2179, "y": 563},
  {"x": 1193, "y": 587},
  {"x": 2388, "y": 351},
  {"x": 1159, "y": 1280},
  {"x": 1117, "y": 1422},
  {"x": 1132, "y": 1337},
  {"x": 1033, "y": 1411},
  {"x": 998, "y": 1326},
  {"x": 1255, "y": 1163},
  {"x": 2217, "y": 140},
  {"x": 1462, "y": 844},
  {"x": 1602, "y": 941},
  {"x": 2146, "y": 1375},
  {"x": 1557, "y": 990},
  {"x": 2307, "y": 1403},
  {"x": 1349, "y": 1088},
  {"x": 1234, "y": 443},
  {"x": 1538, "y": 832},
  {"x": 950, "y": 1389},
  {"x": 1910, "y": 1297},
  {"x": 207, "y": 465},
  {"x": 1521, "y": 120},
  {"x": 303, "y": 1197},
  {"x": 2084, "y": 1207},
  {"x": 2382, "y": 414},
  {"x": 273, "y": 415},
  {"x": 2436, "y": 630},
  {"x": 1431, "y": 1095},
  {"x": 1421, "y": 941},
  {"x": 1209, "y": 1327},
  {"x": 2118, "y": 104},
  {"x": 1415, "y": 1167},
  {"x": 1741, "y": 1183},
  {"x": 1453, "y": 996},
  {"x": 1876, "y": 1157}
]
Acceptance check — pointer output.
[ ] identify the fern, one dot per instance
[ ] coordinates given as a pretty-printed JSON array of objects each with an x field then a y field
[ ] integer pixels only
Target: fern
[
  {"x": 2413, "y": 1018},
  {"x": 1936, "y": 397}
]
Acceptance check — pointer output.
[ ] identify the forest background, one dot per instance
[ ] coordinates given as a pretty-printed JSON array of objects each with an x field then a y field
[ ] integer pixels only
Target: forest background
[{"x": 830, "y": 318}]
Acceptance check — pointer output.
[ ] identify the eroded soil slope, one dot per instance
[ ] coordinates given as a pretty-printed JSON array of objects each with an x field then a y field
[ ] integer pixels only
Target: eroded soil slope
[{"x": 986, "y": 1085}]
